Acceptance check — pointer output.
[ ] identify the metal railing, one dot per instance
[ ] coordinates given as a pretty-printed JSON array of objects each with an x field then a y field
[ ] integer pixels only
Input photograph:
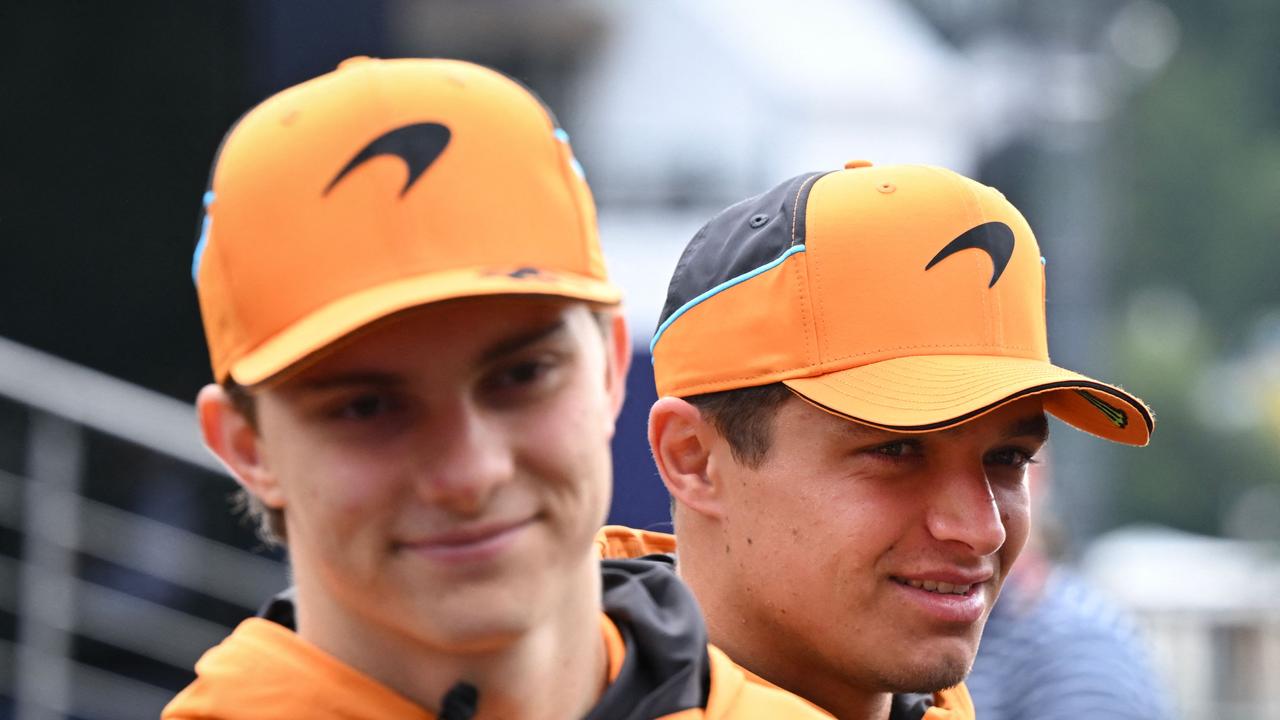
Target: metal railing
[
  {"x": 59, "y": 530},
  {"x": 57, "y": 609}
]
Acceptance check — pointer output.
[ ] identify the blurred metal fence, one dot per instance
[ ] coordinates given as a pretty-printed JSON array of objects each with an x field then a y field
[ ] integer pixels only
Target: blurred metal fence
[
  {"x": 1221, "y": 665},
  {"x": 1210, "y": 608},
  {"x": 103, "y": 609},
  {"x": 106, "y": 606}
]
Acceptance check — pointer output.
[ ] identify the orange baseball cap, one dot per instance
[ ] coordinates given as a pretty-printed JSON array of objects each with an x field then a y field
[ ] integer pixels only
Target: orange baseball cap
[
  {"x": 380, "y": 186},
  {"x": 905, "y": 297}
]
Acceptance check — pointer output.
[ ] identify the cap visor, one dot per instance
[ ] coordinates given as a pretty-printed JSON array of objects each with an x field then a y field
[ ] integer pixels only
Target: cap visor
[
  {"x": 335, "y": 321},
  {"x": 919, "y": 394}
]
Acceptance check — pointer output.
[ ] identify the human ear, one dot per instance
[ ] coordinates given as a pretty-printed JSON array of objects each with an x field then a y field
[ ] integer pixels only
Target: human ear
[
  {"x": 680, "y": 440},
  {"x": 617, "y": 350},
  {"x": 233, "y": 438}
]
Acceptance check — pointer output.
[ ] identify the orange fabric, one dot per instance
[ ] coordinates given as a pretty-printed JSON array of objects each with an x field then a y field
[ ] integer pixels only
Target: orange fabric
[
  {"x": 298, "y": 253},
  {"x": 264, "y": 671},
  {"x": 617, "y": 542},
  {"x": 615, "y": 647},
  {"x": 951, "y": 704},
  {"x": 734, "y": 696},
  {"x": 867, "y": 318}
]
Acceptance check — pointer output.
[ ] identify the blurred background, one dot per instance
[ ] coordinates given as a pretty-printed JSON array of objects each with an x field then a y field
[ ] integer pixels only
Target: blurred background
[{"x": 1140, "y": 137}]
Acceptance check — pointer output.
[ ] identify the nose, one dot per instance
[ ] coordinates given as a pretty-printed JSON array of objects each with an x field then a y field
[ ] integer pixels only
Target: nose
[
  {"x": 466, "y": 456},
  {"x": 963, "y": 509}
]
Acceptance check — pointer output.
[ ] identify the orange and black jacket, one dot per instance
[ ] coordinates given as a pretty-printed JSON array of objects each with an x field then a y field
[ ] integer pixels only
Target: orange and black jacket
[
  {"x": 614, "y": 542},
  {"x": 660, "y": 667}
]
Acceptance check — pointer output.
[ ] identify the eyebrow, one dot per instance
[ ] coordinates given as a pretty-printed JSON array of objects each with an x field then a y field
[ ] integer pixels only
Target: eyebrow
[
  {"x": 350, "y": 379},
  {"x": 1033, "y": 426},
  {"x": 492, "y": 353},
  {"x": 511, "y": 345}
]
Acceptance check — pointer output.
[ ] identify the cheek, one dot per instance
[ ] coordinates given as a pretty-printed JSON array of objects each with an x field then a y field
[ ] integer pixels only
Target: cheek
[
  {"x": 327, "y": 487},
  {"x": 566, "y": 444},
  {"x": 1015, "y": 513}
]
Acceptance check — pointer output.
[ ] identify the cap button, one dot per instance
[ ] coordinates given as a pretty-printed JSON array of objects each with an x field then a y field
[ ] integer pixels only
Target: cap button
[{"x": 855, "y": 164}]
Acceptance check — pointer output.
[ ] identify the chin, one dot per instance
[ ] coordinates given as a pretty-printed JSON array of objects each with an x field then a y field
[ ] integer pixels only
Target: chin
[
  {"x": 930, "y": 680},
  {"x": 474, "y": 634},
  {"x": 467, "y": 622},
  {"x": 937, "y": 671}
]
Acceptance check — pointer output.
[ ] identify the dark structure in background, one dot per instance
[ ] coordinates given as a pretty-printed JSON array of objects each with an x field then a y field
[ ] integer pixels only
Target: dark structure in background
[{"x": 111, "y": 115}]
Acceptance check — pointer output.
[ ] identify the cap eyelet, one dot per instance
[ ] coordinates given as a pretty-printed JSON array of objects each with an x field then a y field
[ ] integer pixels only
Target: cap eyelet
[
  {"x": 758, "y": 220},
  {"x": 886, "y": 187}
]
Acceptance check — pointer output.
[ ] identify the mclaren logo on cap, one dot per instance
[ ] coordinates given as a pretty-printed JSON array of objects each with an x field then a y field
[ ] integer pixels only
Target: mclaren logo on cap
[
  {"x": 418, "y": 145},
  {"x": 993, "y": 238},
  {"x": 1118, "y": 417}
]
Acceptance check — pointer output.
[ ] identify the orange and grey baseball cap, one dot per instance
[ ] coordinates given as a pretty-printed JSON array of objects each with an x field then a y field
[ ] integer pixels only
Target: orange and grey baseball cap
[
  {"x": 904, "y": 297},
  {"x": 384, "y": 185}
]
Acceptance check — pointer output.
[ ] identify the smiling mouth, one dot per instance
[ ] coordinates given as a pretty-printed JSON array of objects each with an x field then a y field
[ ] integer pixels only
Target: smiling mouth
[
  {"x": 470, "y": 543},
  {"x": 941, "y": 588}
]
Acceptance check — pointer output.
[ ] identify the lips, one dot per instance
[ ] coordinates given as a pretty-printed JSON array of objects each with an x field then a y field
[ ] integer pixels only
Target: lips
[
  {"x": 468, "y": 543},
  {"x": 944, "y": 588},
  {"x": 946, "y": 596}
]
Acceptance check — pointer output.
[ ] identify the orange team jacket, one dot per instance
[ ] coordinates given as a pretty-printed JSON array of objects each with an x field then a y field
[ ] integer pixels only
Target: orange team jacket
[
  {"x": 617, "y": 542},
  {"x": 660, "y": 667}
]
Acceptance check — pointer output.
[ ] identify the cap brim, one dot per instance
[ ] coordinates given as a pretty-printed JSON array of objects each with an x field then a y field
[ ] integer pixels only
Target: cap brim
[
  {"x": 329, "y": 324},
  {"x": 921, "y": 394}
]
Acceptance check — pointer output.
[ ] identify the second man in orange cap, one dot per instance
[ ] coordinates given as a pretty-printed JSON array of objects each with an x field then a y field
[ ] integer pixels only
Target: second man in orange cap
[{"x": 853, "y": 375}]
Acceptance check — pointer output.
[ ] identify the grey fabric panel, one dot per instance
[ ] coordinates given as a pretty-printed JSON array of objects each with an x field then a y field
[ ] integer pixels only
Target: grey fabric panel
[{"x": 729, "y": 245}]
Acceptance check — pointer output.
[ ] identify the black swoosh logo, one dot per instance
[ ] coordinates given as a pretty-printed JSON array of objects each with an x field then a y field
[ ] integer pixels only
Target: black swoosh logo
[
  {"x": 993, "y": 238},
  {"x": 418, "y": 145}
]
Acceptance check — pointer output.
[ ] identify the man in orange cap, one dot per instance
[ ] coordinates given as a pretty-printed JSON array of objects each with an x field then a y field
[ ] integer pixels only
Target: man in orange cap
[
  {"x": 853, "y": 376},
  {"x": 419, "y": 362}
]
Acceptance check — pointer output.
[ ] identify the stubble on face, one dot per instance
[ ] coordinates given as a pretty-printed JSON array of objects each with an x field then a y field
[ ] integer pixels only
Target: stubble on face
[{"x": 821, "y": 525}]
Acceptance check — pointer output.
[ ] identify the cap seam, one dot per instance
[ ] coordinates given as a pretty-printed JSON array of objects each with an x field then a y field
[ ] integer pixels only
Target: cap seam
[
  {"x": 795, "y": 205},
  {"x": 801, "y": 277},
  {"x": 814, "y": 276},
  {"x": 708, "y": 294}
]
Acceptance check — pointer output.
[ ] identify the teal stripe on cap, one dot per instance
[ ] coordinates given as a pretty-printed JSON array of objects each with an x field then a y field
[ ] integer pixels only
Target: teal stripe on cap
[
  {"x": 198, "y": 255},
  {"x": 719, "y": 289}
]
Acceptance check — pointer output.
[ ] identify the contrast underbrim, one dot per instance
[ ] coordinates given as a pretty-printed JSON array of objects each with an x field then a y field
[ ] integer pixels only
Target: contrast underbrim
[
  {"x": 321, "y": 329},
  {"x": 921, "y": 394}
]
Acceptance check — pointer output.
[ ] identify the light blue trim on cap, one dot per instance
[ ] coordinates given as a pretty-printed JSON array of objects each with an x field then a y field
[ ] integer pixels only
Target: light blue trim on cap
[
  {"x": 563, "y": 137},
  {"x": 204, "y": 238},
  {"x": 719, "y": 289}
]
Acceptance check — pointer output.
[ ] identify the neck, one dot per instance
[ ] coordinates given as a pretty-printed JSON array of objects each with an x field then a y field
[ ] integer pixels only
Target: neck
[
  {"x": 752, "y": 640},
  {"x": 556, "y": 669}
]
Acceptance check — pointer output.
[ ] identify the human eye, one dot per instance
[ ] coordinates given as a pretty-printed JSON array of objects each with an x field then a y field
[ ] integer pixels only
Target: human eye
[
  {"x": 523, "y": 379},
  {"x": 897, "y": 449},
  {"x": 1011, "y": 457},
  {"x": 364, "y": 407}
]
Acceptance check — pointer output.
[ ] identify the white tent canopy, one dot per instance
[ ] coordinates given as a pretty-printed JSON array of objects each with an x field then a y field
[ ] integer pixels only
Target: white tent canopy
[{"x": 692, "y": 105}]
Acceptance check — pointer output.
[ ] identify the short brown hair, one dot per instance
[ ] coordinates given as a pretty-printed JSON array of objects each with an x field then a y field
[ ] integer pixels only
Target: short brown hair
[
  {"x": 744, "y": 418},
  {"x": 268, "y": 522}
]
